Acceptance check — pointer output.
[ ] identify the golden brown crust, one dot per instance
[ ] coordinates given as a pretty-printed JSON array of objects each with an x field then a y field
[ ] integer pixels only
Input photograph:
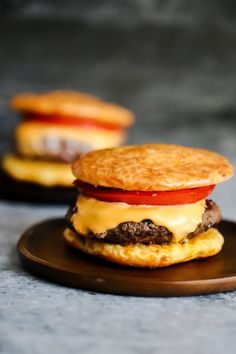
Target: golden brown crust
[
  {"x": 203, "y": 245},
  {"x": 152, "y": 167},
  {"x": 45, "y": 173},
  {"x": 74, "y": 104}
]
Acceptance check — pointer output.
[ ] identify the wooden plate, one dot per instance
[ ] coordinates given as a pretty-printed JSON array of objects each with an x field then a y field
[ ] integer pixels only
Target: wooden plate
[
  {"x": 31, "y": 193},
  {"x": 43, "y": 251}
]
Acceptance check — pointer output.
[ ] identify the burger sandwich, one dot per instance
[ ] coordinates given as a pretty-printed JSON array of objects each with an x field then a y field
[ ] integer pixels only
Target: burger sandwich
[
  {"x": 57, "y": 127},
  {"x": 147, "y": 205}
]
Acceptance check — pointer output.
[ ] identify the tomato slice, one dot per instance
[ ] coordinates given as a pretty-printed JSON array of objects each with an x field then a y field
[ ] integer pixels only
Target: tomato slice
[
  {"x": 173, "y": 197},
  {"x": 71, "y": 121}
]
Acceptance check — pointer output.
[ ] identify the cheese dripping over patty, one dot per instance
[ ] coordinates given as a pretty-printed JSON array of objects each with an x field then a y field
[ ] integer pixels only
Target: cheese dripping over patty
[{"x": 97, "y": 216}]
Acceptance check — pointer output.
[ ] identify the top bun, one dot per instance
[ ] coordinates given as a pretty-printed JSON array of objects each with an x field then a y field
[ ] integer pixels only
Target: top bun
[
  {"x": 74, "y": 104},
  {"x": 152, "y": 167}
]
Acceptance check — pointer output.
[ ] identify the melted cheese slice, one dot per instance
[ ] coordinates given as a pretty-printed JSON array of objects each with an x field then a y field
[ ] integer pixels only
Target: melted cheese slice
[
  {"x": 33, "y": 138},
  {"x": 97, "y": 216},
  {"x": 45, "y": 173}
]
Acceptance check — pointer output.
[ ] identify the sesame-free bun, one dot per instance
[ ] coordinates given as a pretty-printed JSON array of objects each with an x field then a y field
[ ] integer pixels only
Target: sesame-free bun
[
  {"x": 44, "y": 173},
  {"x": 203, "y": 245},
  {"x": 73, "y": 104},
  {"x": 152, "y": 167}
]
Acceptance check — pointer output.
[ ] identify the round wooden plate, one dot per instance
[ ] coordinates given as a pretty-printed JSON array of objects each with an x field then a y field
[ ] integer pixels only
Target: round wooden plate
[
  {"x": 43, "y": 251},
  {"x": 31, "y": 193}
]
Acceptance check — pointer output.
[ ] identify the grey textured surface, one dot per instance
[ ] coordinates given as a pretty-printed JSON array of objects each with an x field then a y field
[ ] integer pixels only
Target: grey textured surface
[
  {"x": 181, "y": 84},
  {"x": 126, "y": 12},
  {"x": 39, "y": 317}
]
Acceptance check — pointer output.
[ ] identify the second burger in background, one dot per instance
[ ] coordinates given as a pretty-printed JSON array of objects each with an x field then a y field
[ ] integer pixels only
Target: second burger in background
[{"x": 56, "y": 128}]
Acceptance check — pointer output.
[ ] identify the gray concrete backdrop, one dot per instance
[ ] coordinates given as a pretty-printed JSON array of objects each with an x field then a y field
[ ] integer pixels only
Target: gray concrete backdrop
[
  {"x": 179, "y": 81},
  {"x": 128, "y": 12}
]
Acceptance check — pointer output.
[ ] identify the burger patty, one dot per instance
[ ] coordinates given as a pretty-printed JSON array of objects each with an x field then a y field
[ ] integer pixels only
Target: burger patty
[
  {"x": 145, "y": 232},
  {"x": 59, "y": 150}
]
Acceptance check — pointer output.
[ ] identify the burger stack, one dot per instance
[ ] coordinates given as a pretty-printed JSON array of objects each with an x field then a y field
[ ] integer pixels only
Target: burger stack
[
  {"x": 56, "y": 128},
  {"x": 147, "y": 205}
]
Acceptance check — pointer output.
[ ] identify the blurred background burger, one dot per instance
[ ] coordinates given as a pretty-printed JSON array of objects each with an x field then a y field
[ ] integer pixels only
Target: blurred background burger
[{"x": 170, "y": 62}]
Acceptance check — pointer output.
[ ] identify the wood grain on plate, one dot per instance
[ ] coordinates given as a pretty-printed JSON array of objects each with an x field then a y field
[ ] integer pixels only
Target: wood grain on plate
[{"x": 43, "y": 251}]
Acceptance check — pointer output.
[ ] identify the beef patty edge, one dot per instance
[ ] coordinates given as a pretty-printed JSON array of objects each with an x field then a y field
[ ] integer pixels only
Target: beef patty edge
[{"x": 146, "y": 232}]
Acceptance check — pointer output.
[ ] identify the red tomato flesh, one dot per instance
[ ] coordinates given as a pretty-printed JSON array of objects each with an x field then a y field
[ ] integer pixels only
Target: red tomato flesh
[
  {"x": 172, "y": 197},
  {"x": 70, "y": 121}
]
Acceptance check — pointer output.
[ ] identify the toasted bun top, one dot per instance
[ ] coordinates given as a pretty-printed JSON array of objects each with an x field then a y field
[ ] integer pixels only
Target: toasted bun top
[
  {"x": 152, "y": 167},
  {"x": 74, "y": 104}
]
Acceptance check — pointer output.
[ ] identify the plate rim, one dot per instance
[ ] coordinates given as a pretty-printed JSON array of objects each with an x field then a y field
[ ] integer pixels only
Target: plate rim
[{"x": 29, "y": 261}]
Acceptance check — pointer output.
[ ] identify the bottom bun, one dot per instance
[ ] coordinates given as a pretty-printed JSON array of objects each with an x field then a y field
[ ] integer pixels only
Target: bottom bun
[
  {"x": 203, "y": 245},
  {"x": 45, "y": 173}
]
